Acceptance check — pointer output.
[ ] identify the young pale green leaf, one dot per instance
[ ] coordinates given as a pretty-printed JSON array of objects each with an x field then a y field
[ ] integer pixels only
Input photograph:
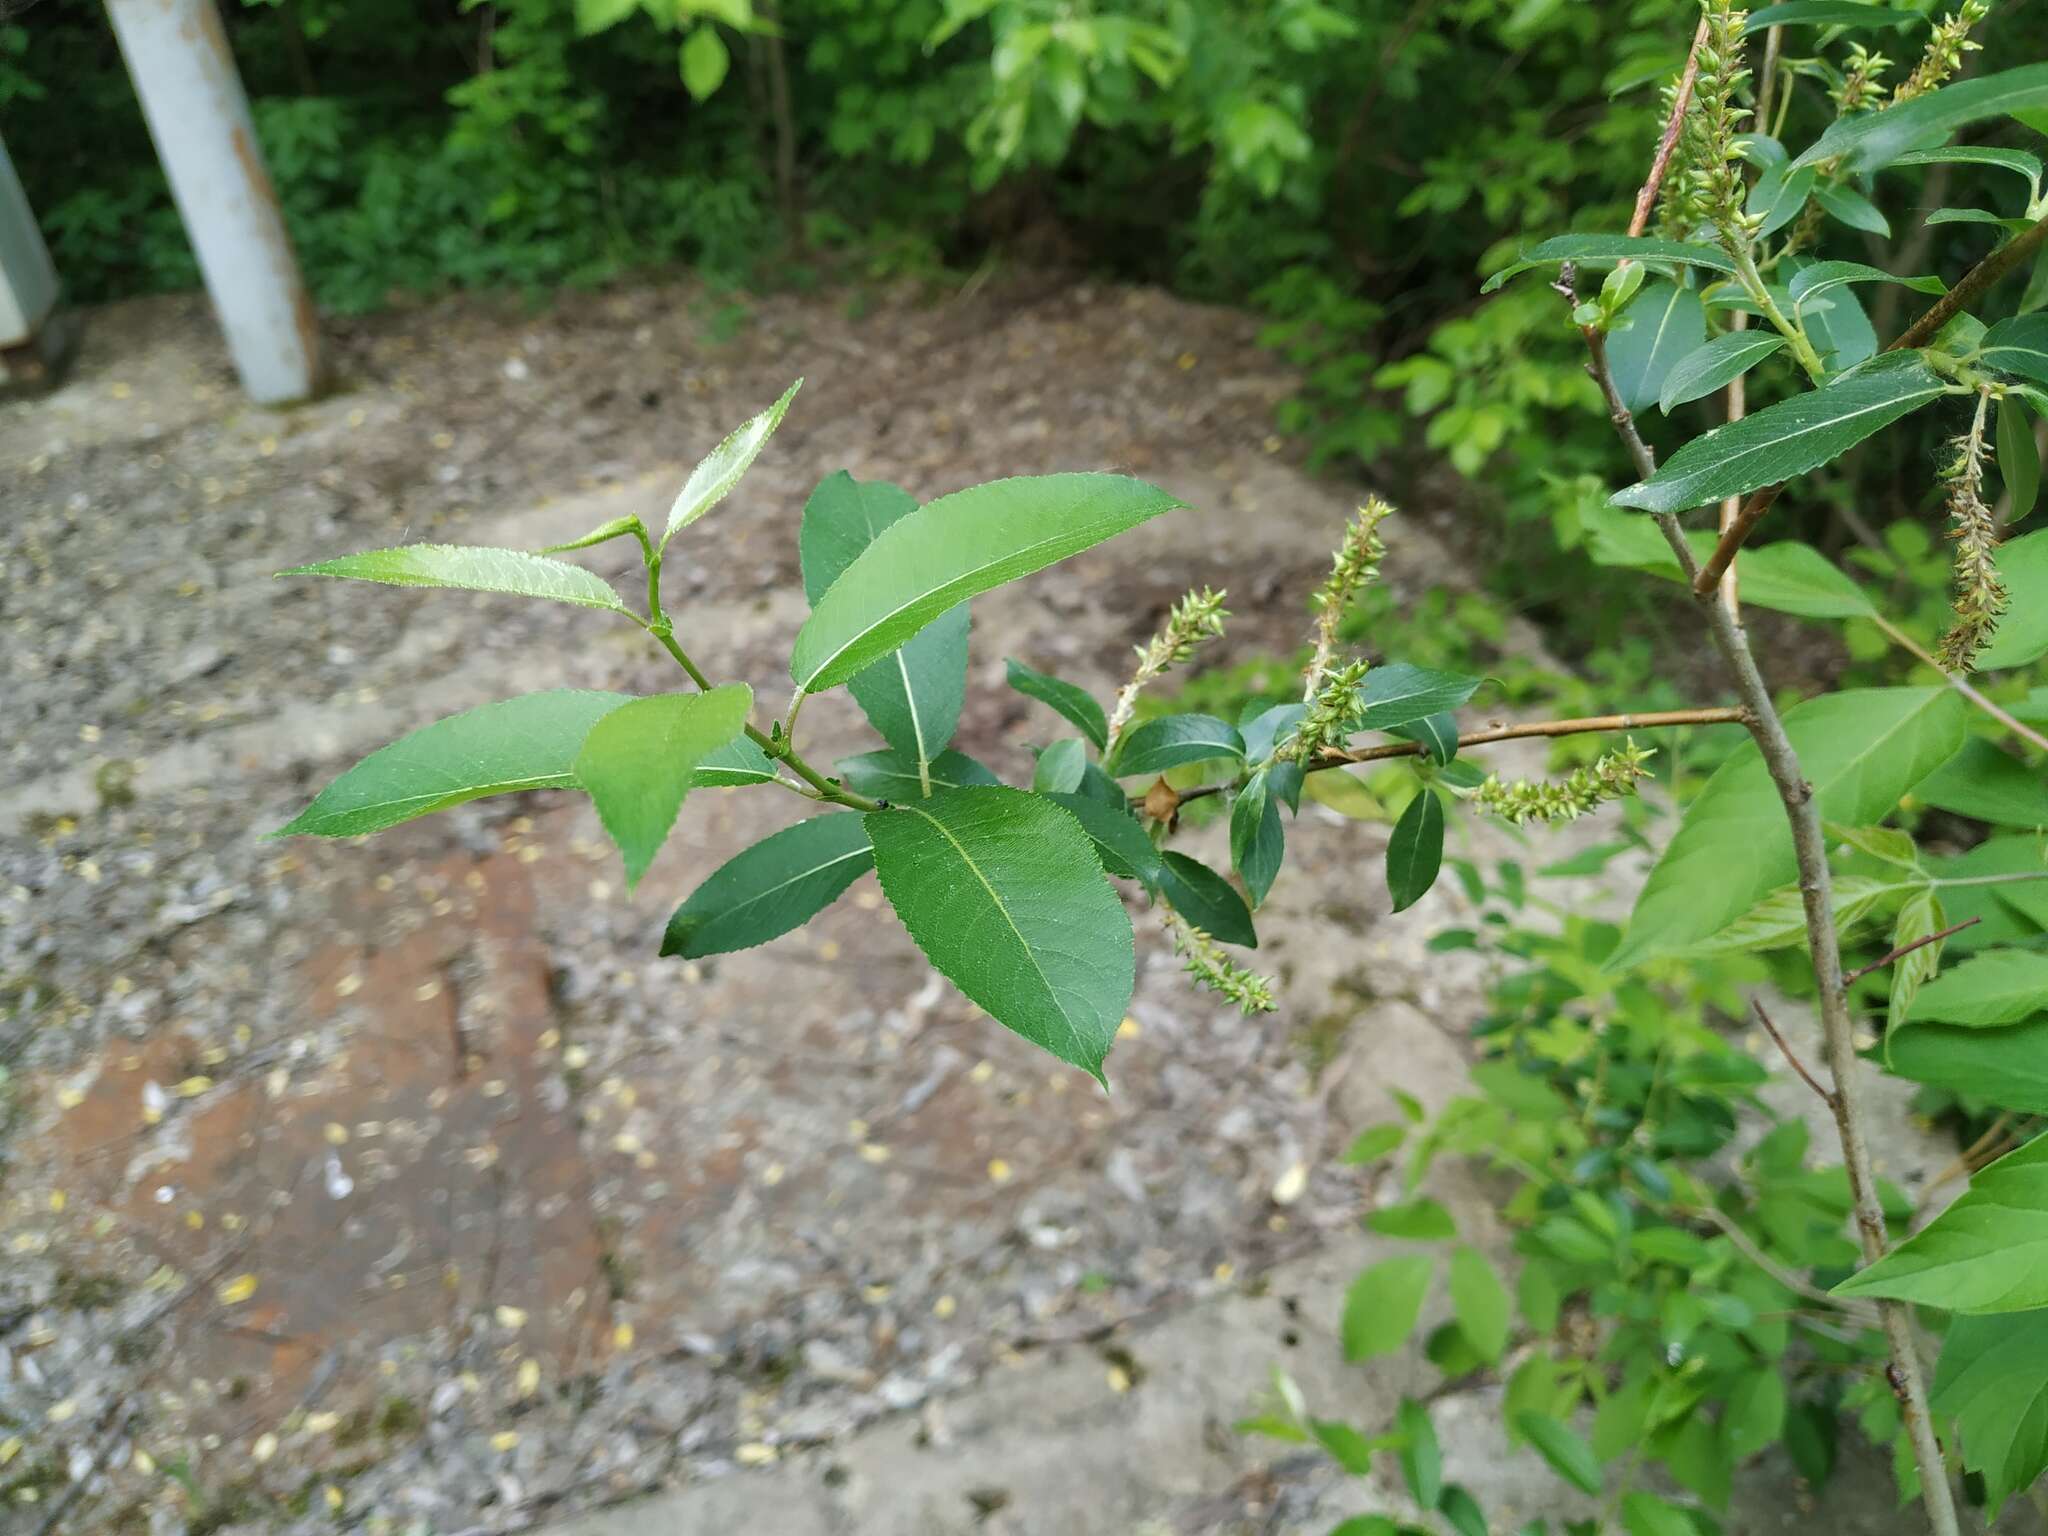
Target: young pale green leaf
[
  {"x": 1826, "y": 13},
  {"x": 1422, "y": 1461},
  {"x": 738, "y": 763},
  {"x": 1839, "y": 329},
  {"x": 1375, "y": 1142},
  {"x": 1993, "y": 1381},
  {"x": 2018, "y": 345},
  {"x": 892, "y": 777},
  {"x": 1867, "y": 140},
  {"x": 1779, "y": 920},
  {"x": 1987, "y": 991},
  {"x": 1755, "y": 1417},
  {"x": 703, "y": 61},
  {"x": 1708, "y": 368},
  {"x": 1416, "y": 851},
  {"x": 1793, "y": 577},
  {"x": 1566, "y": 1451},
  {"x": 931, "y": 560},
  {"x": 1480, "y": 1302},
  {"x": 603, "y": 533},
  {"x": 1976, "y": 216},
  {"x": 1421, "y": 1220},
  {"x": 780, "y": 883},
  {"x": 1813, "y": 280},
  {"x": 1644, "y": 1514},
  {"x": 1861, "y": 750},
  {"x": 1060, "y": 767},
  {"x": 721, "y": 468},
  {"x": 1345, "y": 793},
  {"x": 1604, "y": 250},
  {"x": 596, "y": 15},
  {"x": 2019, "y": 458},
  {"x": 2006, "y": 1067},
  {"x": 1920, "y": 916},
  {"x": 1119, "y": 840},
  {"x": 1172, "y": 740},
  {"x": 1075, "y": 705},
  {"x": 1382, "y": 1305},
  {"x": 1779, "y": 195},
  {"x": 2015, "y": 160},
  {"x": 1207, "y": 900},
  {"x": 1986, "y": 1253},
  {"x": 638, "y": 761},
  {"x": 1845, "y": 205},
  {"x": 473, "y": 568},
  {"x": 1258, "y": 841},
  {"x": 1003, "y": 892},
  {"x": 2021, "y": 638},
  {"x": 1989, "y": 784},
  {"x": 529, "y": 742},
  {"x": 913, "y": 695},
  {"x": 1666, "y": 323},
  {"x": 1399, "y": 694},
  {"x": 1787, "y": 439}
]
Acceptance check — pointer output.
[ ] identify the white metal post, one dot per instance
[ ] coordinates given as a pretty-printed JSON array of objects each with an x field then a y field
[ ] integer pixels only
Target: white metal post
[
  {"x": 177, "y": 55},
  {"x": 30, "y": 348}
]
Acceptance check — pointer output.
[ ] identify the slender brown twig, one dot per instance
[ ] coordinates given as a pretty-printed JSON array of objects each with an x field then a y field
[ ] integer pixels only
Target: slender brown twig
[
  {"x": 1793, "y": 1056},
  {"x": 1966, "y": 291},
  {"x": 1904, "y": 950},
  {"x": 1646, "y": 199}
]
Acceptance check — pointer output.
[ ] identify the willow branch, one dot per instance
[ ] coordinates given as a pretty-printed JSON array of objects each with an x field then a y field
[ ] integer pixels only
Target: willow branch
[
  {"x": 1674, "y": 125},
  {"x": 1791, "y": 1055},
  {"x": 1904, "y": 950}
]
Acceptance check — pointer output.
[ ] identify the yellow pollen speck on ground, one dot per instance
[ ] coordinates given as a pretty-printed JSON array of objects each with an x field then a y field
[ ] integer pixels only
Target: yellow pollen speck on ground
[
  {"x": 875, "y": 1295},
  {"x": 1224, "y": 1272},
  {"x": 321, "y": 1423},
  {"x": 426, "y": 991},
  {"x": 120, "y": 391},
  {"x": 59, "y": 1412},
  {"x": 264, "y": 1448},
  {"x": 1128, "y": 1030},
  {"x": 349, "y": 985},
  {"x": 873, "y": 1152},
  {"x": 999, "y": 1170},
  {"x": 194, "y": 1086},
  {"x": 982, "y": 1072},
  {"x": 576, "y": 1058},
  {"x": 195, "y": 1220},
  {"x": 1119, "y": 1379},
  {"x": 70, "y": 1098},
  {"x": 773, "y": 1174},
  {"x": 529, "y": 1377},
  {"x": 9, "y": 1449},
  {"x": 505, "y": 1440},
  {"x": 333, "y": 1496},
  {"x": 754, "y": 1454},
  {"x": 944, "y": 1308},
  {"x": 58, "y": 1200},
  {"x": 336, "y": 1134},
  {"x": 626, "y": 1142},
  {"x": 512, "y": 1318},
  {"x": 829, "y": 950},
  {"x": 622, "y": 1336},
  {"x": 239, "y": 1289}
]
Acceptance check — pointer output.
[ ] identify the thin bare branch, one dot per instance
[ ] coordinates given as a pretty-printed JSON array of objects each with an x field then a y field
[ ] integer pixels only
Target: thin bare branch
[
  {"x": 1904, "y": 950},
  {"x": 1791, "y": 1055},
  {"x": 1674, "y": 125}
]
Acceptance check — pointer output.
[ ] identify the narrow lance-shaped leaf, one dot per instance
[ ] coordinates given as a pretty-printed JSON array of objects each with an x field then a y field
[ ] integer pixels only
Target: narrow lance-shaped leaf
[
  {"x": 473, "y": 568},
  {"x": 1827, "y": 13},
  {"x": 529, "y": 742},
  {"x": 1811, "y": 281},
  {"x": 1399, "y": 694},
  {"x": 1601, "y": 250},
  {"x": 1076, "y": 705},
  {"x": 931, "y": 560},
  {"x": 1258, "y": 841},
  {"x": 1666, "y": 323},
  {"x": 1847, "y": 206},
  {"x": 2016, "y": 160},
  {"x": 1987, "y": 991},
  {"x": 913, "y": 695},
  {"x": 780, "y": 883},
  {"x": 1003, "y": 892},
  {"x": 1787, "y": 439},
  {"x": 1416, "y": 851},
  {"x": 1207, "y": 900},
  {"x": 1172, "y": 740},
  {"x": 1119, "y": 840},
  {"x": 1708, "y": 368},
  {"x": 1868, "y": 140},
  {"x": 2019, "y": 458},
  {"x": 720, "y": 469},
  {"x": 1986, "y": 1253},
  {"x": 2021, "y": 638},
  {"x": 639, "y": 760},
  {"x": 1860, "y": 749},
  {"x": 2018, "y": 345}
]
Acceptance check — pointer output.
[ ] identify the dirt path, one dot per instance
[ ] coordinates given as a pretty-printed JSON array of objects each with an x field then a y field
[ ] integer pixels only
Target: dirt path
[{"x": 399, "y": 1181}]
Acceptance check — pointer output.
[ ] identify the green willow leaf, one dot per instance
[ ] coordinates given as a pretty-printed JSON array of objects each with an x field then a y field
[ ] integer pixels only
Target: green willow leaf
[
  {"x": 1438, "y": 734},
  {"x": 1811, "y": 281},
  {"x": 1861, "y": 749},
  {"x": 738, "y": 763},
  {"x": 1644, "y": 1514},
  {"x": 473, "y": 568},
  {"x": 1993, "y": 1381},
  {"x": 1120, "y": 841},
  {"x": 1838, "y": 328},
  {"x": 1060, "y": 767},
  {"x": 1787, "y": 439},
  {"x": 1779, "y": 196},
  {"x": 780, "y": 883},
  {"x": 1421, "y": 1220},
  {"x": 1604, "y": 250},
  {"x": 1207, "y": 900},
  {"x": 1986, "y": 1253},
  {"x": 1793, "y": 577},
  {"x": 2021, "y": 638},
  {"x": 2015, "y": 160},
  {"x": 1667, "y": 323},
  {"x": 913, "y": 695},
  {"x": 1987, "y": 991},
  {"x": 2019, "y": 457},
  {"x": 1566, "y": 1451},
  {"x": 1399, "y": 694},
  {"x": 1416, "y": 851},
  {"x": 1382, "y": 1305},
  {"x": 529, "y": 742},
  {"x": 931, "y": 560},
  {"x": 890, "y": 776},
  {"x": 720, "y": 469},
  {"x": 1868, "y": 140},
  {"x": 1265, "y": 729},
  {"x": 1779, "y": 920},
  {"x": 1720, "y": 361},
  {"x": 1421, "y": 1458},
  {"x": 637, "y": 763},
  {"x": 1826, "y": 13},
  {"x": 1258, "y": 842},
  {"x": 2007, "y": 1067},
  {"x": 1075, "y": 705},
  {"x": 1003, "y": 892},
  {"x": 1172, "y": 740},
  {"x": 1976, "y": 216},
  {"x": 1989, "y": 784},
  {"x": 1847, "y": 206}
]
